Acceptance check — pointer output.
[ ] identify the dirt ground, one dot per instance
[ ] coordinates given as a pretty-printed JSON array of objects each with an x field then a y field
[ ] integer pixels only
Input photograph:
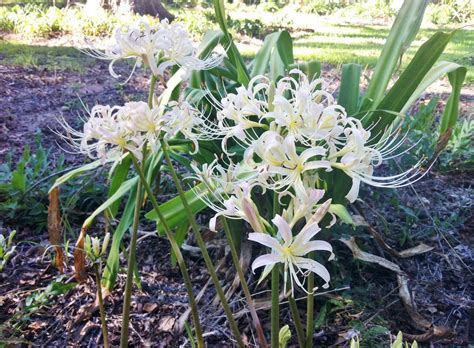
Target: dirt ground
[{"x": 363, "y": 294}]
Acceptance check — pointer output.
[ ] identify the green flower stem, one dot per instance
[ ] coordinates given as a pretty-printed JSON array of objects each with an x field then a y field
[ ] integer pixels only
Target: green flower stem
[
  {"x": 275, "y": 311},
  {"x": 177, "y": 252},
  {"x": 130, "y": 265},
  {"x": 310, "y": 308},
  {"x": 202, "y": 246},
  {"x": 245, "y": 288},
  {"x": 151, "y": 92},
  {"x": 297, "y": 321},
  {"x": 101, "y": 306}
]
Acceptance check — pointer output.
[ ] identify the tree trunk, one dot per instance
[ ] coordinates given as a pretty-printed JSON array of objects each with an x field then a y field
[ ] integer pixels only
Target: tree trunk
[{"x": 153, "y": 8}]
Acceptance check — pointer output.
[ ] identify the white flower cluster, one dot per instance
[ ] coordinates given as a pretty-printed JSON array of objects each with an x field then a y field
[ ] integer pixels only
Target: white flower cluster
[
  {"x": 292, "y": 131},
  {"x": 110, "y": 132},
  {"x": 289, "y": 133},
  {"x": 158, "y": 47}
]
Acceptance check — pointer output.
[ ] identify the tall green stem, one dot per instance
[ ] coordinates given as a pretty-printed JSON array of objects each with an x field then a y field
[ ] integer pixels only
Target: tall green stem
[
  {"x": 177, "y": 252},
  {"x": 310, "y": 308},
  {"x": 130, "y": 265},
  {"x": 151, "y": 92},
  {"x": 275, "y": 311},
  {"x": 245, "y": 288},
  {"x": 202, "y": 246},
  {"x": 297, "y": 321},
  {"x": 101, "y": 306}
]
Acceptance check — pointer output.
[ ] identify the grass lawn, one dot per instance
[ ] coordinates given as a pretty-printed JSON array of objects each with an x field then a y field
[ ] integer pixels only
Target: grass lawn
[
  {"x": 337, "y": 43},
  {"x": 326, "y": 39}
]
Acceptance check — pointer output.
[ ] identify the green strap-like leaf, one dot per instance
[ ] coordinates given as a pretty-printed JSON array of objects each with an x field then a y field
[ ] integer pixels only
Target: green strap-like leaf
[
  {"x": 409, "y": 81},
  {"x": 74, "y": 173},
  {"x": 119, "y": 193},
  {"x": 451, "y": 111},
  {"x": 349, "y": 90},
  {"x": 276, "y": 55},
  {"x": 112, "y": 265},
  {"x": 404, "y": 29},
  {"x": 232, "y": 51},
  {"x": 173, "y": 210},
  {"x": 117, "y": 175},
  {"x": 312, "y": 68}
]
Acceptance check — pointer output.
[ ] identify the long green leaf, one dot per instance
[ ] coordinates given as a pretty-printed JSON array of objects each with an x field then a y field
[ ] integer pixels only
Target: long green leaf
[
  {"x": 121, "y": 191},
  {"x": 409, "y": 81},
  {"x": 349, "y": 90},
  {"x": 403, "y": 30},
  {"x": 112, "y": 265},
  {"x": 232, "y": 51},
  {"x": 74, "y": 173},
  {"x": 439, "y": 70},
  {"x": 276, "y": 55},
  {"x": 312, "y": 68},
  {"x": 117, "y": 176},
  {"x": 451, "y": 111},
  {"x": 173, "y": 210}
]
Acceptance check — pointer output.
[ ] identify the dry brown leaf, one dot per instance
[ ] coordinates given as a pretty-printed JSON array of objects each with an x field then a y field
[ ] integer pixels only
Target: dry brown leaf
[
  {"x": 80, "y": 257},
  {"x": 149, "y": 307},
  {"x": 54, "y": 228},
  {"x": 166, "y": 324},
  {"x": 404, "y": 292},
  {"x": 419, "y": 249},
  {"x": 367, "y": 257}
]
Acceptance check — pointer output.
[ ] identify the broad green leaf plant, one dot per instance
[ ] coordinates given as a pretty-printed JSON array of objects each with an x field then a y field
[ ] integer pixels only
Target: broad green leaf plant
[{"x": 264, "y": 142}]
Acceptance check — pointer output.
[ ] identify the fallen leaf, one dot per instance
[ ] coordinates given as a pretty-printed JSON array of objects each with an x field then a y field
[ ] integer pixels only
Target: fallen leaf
[
  {"x": 166, "y": 324},
  {"x": 149, "y": 307}
]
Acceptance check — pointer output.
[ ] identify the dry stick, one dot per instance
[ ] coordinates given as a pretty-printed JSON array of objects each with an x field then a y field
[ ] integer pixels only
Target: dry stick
[
  {"x": 202, "y": 246},
  {"x": 177, "y": 253},
  {"x": 245, "y": 288},
  {"x": 101, "y": 306}
]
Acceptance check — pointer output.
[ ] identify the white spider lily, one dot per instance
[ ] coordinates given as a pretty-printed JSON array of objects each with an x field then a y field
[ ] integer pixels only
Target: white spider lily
[
  {"x": 143, "y": 120},
  {"x": 281, "y": 162},
  {"x": 228, "y": 195},
  {"x": 182, "y": 117},
  {"x": 106, "y": 134},
  {"x": 176, "y": 48},
  {"x": 358, "y": 159},
  {"x": 159, "y": 47},
  {"x": 301, "y": 206},
  {"x": 290, "y": 251},
  {"x": 137, "y": 42}
]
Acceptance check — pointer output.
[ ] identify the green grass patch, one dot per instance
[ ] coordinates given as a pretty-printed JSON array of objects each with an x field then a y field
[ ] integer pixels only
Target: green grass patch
[
  {"x": 349, "y": 43},
  {"x": 44, "y": 57}
]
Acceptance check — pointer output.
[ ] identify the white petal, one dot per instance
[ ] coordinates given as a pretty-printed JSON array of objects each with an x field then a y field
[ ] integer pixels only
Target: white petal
[
  {"x": 265, "y": 260},
  {"x": 212, "y": 223},
  {"x": 314, "y": 267},
  {"x": 283, "y": 229},
  {"x": 301, "y": 250},
  {"x": 354, "y": 191},
  {"x": 308, "y": 232},
  {"x": 266, "y": 240}
]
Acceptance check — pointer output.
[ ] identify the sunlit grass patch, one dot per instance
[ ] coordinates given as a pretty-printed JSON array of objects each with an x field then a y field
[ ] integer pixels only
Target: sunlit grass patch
[{"x": 44, "y": 57}]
